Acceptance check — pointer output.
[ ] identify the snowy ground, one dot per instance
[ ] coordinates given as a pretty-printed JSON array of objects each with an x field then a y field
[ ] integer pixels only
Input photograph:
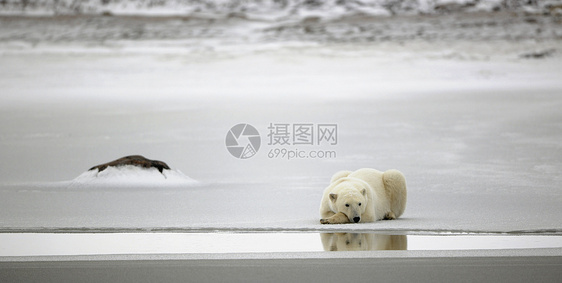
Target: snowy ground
[{"x": 472, "y": 120}]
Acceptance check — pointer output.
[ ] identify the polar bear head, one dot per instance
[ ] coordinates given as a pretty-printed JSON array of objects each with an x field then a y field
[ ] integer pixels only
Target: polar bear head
[
  {"x": 351, "y": 242},
  {"x": 350, "y": 200}
]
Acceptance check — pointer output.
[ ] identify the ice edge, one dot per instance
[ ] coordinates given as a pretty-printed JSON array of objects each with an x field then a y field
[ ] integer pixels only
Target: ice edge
[{"x": 79, "y": 230}]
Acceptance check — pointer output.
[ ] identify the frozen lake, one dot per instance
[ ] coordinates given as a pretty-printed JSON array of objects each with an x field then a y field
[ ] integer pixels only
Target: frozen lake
[{"x": 470, "y": 115}]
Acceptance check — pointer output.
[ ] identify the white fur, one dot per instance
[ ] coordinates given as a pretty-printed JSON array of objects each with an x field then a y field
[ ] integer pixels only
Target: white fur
[
  {"x": 363, "y": 242},
  {"x": 366, "y": 193}
]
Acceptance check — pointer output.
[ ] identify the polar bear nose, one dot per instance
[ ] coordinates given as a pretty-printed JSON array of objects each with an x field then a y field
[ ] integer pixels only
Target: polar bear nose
[{"x": 356, "y": 219}]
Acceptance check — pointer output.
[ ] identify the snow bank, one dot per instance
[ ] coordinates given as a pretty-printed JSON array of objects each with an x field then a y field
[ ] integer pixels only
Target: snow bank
[{"x": 129, "y": 175}]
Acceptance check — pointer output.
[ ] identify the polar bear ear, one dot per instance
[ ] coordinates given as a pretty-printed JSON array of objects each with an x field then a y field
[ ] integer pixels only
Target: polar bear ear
[
  {"x": 364, "y": 191},
  {"x": 333, "y": 197}
]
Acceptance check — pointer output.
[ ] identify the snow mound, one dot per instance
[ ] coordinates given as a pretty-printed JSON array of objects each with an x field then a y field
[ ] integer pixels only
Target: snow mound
[{"x": 129, "y": 175}]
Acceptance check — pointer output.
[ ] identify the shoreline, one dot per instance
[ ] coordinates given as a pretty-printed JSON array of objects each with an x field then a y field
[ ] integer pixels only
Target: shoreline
[
  {"x": 231, "y": 230},
  {"x": 413, "y": 254}
]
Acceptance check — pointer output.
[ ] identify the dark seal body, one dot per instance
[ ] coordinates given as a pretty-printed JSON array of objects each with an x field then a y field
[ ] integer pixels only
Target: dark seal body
[{"x": 135, "y": 160}]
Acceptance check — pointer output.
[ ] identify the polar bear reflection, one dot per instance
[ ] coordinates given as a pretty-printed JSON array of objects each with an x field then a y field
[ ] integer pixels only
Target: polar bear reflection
[{"x": 363, "y": 242}]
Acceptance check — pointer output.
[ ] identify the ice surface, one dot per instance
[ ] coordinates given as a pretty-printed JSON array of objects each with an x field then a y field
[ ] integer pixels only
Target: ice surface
[
  {"x": 268, "y": 207},
  {"x": 474, "y": 127}
]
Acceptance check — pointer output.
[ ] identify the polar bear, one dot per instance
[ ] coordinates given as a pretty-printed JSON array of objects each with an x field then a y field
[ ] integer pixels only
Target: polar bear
[
  {"x": 363, "y": 242},
  {"x": 365, "y": 195}
]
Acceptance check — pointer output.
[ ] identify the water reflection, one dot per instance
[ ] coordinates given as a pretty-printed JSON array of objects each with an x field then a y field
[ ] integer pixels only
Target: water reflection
[
  {"x": 363, "y": 242},
  {"x": 39, "y": 244}
]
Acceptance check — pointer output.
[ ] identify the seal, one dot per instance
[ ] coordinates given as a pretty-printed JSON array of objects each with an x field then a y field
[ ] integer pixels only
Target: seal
[{"x": 135, "y": 160}]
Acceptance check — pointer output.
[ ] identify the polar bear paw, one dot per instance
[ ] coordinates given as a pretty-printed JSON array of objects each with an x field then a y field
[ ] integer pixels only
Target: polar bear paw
[
  {"x": 338, "y": 218},
  {"x": 389, "y": 216}
]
